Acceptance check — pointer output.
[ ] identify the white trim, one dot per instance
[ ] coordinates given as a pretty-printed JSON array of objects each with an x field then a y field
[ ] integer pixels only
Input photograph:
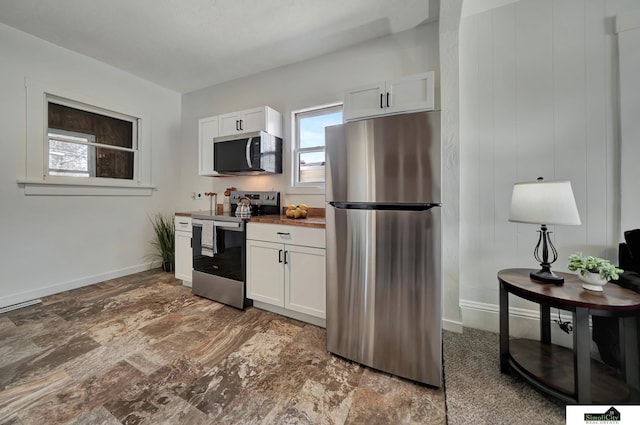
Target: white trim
[
  {"x": 74, "y": 284},
  {"x": 290, "y": 313},
  {"x": 523, "y": 323},
  {"x": 45, "y": 187},
  {"x": 452, "y": 326},
  {"x": 36, "y": 180}
]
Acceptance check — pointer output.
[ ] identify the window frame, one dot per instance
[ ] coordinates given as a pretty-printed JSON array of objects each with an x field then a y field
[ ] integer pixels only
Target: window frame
[
  {"x": 37, "y": 180},
  {"x": 296, "y": 150},
  {"x": 135, "y": 122}
]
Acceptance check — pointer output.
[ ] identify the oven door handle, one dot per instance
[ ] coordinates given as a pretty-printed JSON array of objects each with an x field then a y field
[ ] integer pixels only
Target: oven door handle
[
  {"x": 280, "y": 256},
  {"x": 228, "y": 224}
]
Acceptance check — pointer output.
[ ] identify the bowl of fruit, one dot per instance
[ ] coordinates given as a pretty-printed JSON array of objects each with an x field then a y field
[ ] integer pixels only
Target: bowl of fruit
[{"x": 296, "y": 211}]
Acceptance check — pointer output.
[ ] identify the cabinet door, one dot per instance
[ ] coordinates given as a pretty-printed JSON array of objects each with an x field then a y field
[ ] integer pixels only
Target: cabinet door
[
  {"x": 305, "y": 276},
  {"x": 365, "y": 101},
  {"x": 183, "y": 256},
  {"x": 413, "y": 93},
  {"x": 253, "y": 120},
  {"x": 265, "y": 272},
  {"x": 229, "y": 124},
  {"x": 207, "y": 130}
]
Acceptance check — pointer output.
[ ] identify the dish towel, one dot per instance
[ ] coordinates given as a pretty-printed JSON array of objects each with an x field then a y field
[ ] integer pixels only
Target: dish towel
[{"x": 209, "y": 238}]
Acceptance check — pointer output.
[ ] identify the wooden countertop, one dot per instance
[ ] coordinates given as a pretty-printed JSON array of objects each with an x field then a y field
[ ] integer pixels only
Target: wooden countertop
[
  {"x": 317, "y": 221},
  {"x": 190, "y": 213},
  {"x": 310, "y": 221}
]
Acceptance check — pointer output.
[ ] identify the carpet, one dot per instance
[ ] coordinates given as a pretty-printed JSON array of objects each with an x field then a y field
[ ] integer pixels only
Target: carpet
[{"x": 477, "y": 393}]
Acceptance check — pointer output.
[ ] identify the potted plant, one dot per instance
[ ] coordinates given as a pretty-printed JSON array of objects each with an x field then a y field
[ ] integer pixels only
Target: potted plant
[
  {"x": 164, "y": 240},
  {"x": 593, "y": 271}
]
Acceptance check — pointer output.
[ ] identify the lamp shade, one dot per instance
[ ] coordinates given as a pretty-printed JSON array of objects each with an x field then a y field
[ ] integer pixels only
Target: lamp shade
[{"x": 544, "y": 202}]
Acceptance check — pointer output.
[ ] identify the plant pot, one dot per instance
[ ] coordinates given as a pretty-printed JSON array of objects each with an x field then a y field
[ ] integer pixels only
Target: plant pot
[
  {"x": 592, "y": 281},
  {"x": 167, "y": 266}
]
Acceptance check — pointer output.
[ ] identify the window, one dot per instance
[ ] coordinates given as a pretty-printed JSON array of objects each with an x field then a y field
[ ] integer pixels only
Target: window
[
  {"x": 84, "y": 144},
  {"x": 90, "y": 143},
  {"x": 309, "y": 152}
]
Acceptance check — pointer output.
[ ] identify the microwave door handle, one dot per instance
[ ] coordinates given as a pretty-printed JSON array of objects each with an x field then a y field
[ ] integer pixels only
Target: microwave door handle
[{"x": 248, "y": 152}]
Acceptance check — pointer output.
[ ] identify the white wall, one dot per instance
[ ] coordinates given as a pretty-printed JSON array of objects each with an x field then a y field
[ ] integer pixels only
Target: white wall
[
  {"x": 628, "y": 31},
  {"x": 53, "y": 243},
  {"x": 539, "y": 97},
  {"x": 309, "y": 83}
]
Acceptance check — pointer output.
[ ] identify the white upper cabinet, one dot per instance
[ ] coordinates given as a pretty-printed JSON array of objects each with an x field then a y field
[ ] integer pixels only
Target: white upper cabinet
[
  {"x": 409, "y": 94},
  {"x": 263, "y": 118},
  {"x": 207, "y": 130}
]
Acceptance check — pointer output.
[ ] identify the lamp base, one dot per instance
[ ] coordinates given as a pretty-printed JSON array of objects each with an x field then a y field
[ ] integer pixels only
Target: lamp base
[{"x": 546, "y": 276}]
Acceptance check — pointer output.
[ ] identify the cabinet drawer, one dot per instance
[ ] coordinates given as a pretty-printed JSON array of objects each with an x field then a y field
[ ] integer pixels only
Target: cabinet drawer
[
  {"x": 294, "y": 235},
  {"x": 183, "y": 224}
]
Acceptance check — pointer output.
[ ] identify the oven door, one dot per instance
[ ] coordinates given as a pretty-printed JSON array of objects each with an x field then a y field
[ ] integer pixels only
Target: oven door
[{"x": 227, "y": 260}]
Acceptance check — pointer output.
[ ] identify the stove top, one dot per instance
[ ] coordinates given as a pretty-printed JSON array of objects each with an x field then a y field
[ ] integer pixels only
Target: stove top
[{"x": 262, "y": 203}]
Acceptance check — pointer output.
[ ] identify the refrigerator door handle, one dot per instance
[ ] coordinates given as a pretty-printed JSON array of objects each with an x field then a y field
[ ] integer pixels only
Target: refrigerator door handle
[{"x": 384, "y": 206}]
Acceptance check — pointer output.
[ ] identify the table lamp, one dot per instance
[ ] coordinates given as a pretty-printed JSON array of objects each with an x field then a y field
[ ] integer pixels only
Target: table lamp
[{"x": 544, "y": 202}]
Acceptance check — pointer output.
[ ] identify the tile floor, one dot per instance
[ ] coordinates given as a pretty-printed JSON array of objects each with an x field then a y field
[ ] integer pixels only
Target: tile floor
[{"x": 143, "y": 350}]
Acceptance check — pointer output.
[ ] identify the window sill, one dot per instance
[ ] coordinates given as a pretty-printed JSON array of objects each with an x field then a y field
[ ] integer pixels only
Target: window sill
[
  {"x": 306, "y": 190},
  {"x": 41, "y": 187}
]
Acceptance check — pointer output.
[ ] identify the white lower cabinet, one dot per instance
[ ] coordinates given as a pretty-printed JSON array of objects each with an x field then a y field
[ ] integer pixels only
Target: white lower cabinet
[
  {"x": 265, "y": 272},
  {"x": 286, "y": 270},
  {"x": 183, "y": 253}
]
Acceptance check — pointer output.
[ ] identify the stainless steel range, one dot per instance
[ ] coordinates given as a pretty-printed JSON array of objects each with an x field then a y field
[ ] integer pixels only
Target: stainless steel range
[{"x": 219, "y": 256}]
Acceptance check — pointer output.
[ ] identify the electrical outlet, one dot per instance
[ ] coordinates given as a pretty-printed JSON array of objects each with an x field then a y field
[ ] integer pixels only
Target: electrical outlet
[{"x": 199, "y": 196}]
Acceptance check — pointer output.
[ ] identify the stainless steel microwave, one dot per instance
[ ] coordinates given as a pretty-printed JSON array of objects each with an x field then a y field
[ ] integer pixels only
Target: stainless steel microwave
[{"x": 252, "y": 153}]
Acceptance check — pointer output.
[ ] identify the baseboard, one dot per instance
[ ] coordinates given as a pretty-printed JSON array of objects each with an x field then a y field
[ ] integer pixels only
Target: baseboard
[
  {"x": 73, "y": 284},
  {"x": 290, "y": 313},
  {"x": 452, "y": 326},
  {"x": 523, "y": 323}
]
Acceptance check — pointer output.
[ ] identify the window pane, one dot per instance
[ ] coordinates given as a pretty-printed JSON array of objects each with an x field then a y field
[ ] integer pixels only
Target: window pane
[
  {"x": 311, "y": 167},
  {"x": 107, "y": 130},
  {"x": 68, "y": 159},
  {"x": 114, "y": 164},
  {"x": 312, "y": 128}
]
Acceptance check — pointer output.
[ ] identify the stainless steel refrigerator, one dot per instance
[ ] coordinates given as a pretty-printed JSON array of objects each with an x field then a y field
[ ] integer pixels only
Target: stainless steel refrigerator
[{"x": 384, "y": 278}]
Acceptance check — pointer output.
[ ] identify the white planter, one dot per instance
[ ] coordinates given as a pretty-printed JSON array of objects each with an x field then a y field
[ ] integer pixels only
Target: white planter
[{"x": 592, "y": 281}]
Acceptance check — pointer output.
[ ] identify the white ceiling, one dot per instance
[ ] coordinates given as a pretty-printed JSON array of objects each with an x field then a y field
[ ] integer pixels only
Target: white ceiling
[{"x": 186, "y": 45}]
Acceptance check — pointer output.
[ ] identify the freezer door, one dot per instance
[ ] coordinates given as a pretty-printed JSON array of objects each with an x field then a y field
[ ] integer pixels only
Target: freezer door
[
  {"x": 384, "y": 290},
  {"x": 392, "y": 159}
]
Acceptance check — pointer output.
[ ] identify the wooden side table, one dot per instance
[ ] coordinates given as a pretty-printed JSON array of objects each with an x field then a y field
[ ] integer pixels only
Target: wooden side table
[{"x": 571, "y": 375}]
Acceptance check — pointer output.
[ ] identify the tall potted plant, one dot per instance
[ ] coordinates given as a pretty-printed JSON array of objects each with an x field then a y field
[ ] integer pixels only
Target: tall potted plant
[{"x": 164, "y": 240}]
